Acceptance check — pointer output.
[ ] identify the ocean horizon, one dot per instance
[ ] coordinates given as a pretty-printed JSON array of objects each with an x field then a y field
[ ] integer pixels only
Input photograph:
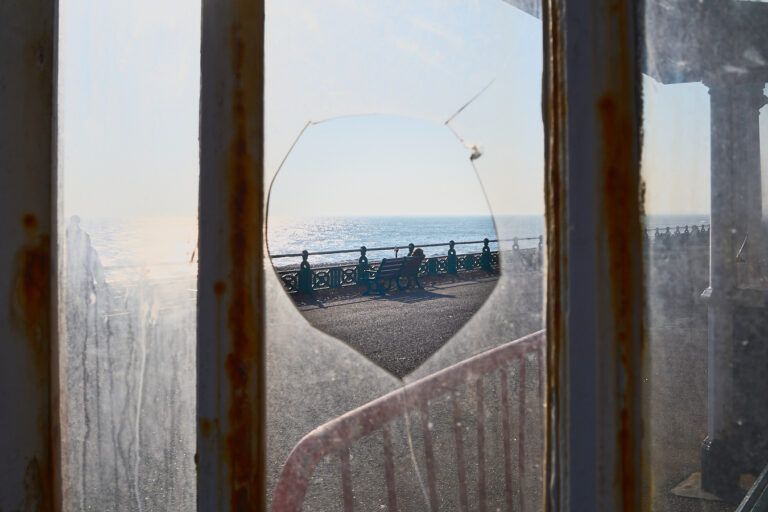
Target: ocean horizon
[{"x": 166, "y": 246}]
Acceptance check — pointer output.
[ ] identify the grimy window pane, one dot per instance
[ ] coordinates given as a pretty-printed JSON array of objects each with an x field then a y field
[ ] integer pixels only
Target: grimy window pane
[
  {"x": 404, "y": 164},
  {"x": 128, "y": 109},
  {"x": 705, "y": 172}
]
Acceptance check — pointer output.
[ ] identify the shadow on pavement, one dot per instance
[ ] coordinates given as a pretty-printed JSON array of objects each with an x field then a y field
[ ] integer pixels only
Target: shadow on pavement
[{"x": 412, "y": 297}]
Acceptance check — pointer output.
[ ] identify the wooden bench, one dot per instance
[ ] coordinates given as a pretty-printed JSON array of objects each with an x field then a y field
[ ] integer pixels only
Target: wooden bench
[{"x": 391, "y": 270}]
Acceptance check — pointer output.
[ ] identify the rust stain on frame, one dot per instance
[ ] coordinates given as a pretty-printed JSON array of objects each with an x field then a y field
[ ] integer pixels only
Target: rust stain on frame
[
  {"x": 31, "y": 313},
  {"x": 207, "y": 426},
  {"x": 622, "y": 226},
  {"x": 27, "y": 154},
  {"x": 32, "y": 292},
  {"x": 616, "y": 107},
  {"x": 244, "y": 365},
  {"x": 617, "y": 110},
  {"x": 30, "y": 223}
]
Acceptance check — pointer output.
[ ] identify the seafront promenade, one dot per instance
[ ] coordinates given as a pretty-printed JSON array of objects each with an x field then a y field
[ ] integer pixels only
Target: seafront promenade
[
  {"x": 399, "y": 331},
  {"x": 306, "y": 278}
]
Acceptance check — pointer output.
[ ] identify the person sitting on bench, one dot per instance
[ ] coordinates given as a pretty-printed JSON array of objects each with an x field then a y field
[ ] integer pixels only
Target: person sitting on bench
[{"x": 411, "y": 268}]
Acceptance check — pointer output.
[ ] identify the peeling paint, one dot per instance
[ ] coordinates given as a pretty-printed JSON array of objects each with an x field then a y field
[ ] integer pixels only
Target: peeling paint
[{"x": 619, "y": 122}]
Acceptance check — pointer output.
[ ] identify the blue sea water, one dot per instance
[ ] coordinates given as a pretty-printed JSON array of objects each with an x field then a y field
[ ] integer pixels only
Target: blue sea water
[
  {"x": 163, "y": 247},
  {"x": 672, "y": 221},
  {"x": 291, "y": 235}
]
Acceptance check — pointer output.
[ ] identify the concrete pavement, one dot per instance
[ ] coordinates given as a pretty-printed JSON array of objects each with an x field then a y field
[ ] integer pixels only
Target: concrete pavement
[{"x": 400, "y": 330}]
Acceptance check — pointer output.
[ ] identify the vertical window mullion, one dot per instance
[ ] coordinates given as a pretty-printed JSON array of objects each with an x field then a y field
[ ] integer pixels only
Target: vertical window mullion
[
  {"x": 28, "y": 277},
  {"x": 230, "y": 340},
  {"x": 595, "y": 300}
]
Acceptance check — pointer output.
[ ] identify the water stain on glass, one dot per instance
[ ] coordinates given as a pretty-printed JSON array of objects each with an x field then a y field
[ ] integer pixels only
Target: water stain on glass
[{"x": 703, "y": 162}]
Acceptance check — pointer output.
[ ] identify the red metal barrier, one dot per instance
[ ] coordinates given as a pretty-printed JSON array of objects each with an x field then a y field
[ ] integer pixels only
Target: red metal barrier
[{"x": 336, "y": 436}]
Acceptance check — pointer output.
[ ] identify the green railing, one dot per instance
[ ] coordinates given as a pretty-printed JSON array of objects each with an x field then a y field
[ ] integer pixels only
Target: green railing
[
  {"x": 306, "y": 278},
  {"x": 670, "y": 237}
]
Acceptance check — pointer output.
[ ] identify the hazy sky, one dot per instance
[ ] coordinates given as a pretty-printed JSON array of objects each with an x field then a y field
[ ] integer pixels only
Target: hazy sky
[
  {"x": 130, "y": 90},
  {"x": 398, "y": 166}
]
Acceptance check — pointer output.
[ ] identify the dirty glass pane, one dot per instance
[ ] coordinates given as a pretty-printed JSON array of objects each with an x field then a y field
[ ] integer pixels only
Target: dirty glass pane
[
  {"x": 128, "y": 109},
  {"x": 401, "y": 126},
  {"x": 704, "y": 167}
]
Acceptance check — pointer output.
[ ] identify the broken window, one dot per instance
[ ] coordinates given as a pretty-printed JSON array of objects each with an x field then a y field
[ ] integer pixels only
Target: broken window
[
  {"x": 443, "y": 99},
  {"x": 423, "y": 429},
  {"x": 398, "y": 127}
]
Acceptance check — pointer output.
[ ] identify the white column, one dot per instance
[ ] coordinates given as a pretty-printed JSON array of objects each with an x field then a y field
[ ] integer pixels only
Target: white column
[
  {"x": 736, "y": 209},
  {"x": 747, "y": 99},
  {"x": 722, "y": 266}
]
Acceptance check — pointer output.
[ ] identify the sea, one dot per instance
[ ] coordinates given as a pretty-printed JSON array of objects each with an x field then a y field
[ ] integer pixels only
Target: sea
[
  {"x": 291, "y": 235},
  {"x": 166, "y": 247}
]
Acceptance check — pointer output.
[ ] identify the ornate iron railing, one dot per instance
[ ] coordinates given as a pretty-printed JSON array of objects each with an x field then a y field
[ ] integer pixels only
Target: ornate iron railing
[
  {"x": 670, "y": 237},
  {"x": 306, "y": 279}
]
